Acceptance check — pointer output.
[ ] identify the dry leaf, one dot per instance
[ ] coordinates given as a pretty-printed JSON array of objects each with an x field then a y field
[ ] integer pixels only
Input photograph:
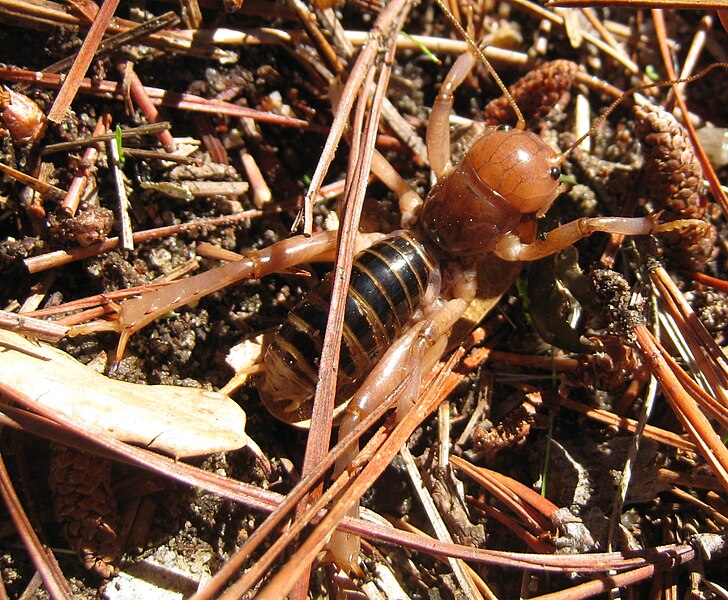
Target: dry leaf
[{"x": 175, "y": 420}]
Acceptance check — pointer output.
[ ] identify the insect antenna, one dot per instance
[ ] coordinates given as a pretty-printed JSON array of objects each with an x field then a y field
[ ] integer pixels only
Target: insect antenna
[
  {"x": 626, "y": 94},
  {"x": 521, "y": 123}
]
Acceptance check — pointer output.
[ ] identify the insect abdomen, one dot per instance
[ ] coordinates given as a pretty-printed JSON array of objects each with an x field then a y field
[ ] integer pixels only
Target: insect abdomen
[{"x": 388, "y": 281}]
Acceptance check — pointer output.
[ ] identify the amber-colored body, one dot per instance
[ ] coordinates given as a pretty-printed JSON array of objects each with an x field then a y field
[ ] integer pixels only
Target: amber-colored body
[
  {"x": 507, "y": 175},
  {"x": 478, "y": 206}
]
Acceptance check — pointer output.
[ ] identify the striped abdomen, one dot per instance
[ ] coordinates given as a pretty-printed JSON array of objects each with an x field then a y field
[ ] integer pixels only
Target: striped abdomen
[{"x": 388, "y": 281}]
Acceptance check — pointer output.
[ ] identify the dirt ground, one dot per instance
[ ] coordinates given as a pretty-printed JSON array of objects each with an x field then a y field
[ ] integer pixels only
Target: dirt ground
[{"x": 172, "y": 536}]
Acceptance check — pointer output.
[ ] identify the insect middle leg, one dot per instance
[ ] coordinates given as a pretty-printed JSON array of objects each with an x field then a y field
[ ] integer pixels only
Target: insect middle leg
[{"x": 437, "y": 140}]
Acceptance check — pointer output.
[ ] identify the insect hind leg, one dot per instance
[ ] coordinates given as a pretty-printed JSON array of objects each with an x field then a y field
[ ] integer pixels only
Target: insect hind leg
[{"x": 399, "y": 371}]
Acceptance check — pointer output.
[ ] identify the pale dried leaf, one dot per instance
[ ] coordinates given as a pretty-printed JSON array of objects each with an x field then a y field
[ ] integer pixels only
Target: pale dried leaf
[{"x": 175, "y": 420}]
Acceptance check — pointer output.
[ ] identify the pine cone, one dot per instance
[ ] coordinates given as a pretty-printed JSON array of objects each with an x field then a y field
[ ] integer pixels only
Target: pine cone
[
  {"x": 85, "y": 507},
  {"x": 673, "y": 182},
  {"x": 535, "y": 93}
]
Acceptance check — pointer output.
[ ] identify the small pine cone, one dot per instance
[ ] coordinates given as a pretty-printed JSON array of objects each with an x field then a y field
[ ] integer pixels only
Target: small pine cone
[
  {"x": 536, "y": 93},
  {"x": 691, "y": 244},
  {"x": 613, "y": 364},
  {"x": 85, "y": 506},
  {"x": 87, "y": 227},
  {"x": 672, "y": 175},
  {"x": 673, "y": 182},
  {"x": 512, "y": 430}
]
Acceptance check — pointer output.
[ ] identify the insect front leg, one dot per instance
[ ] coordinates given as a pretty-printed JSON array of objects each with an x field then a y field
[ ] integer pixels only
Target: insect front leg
[
  {"x": 511, "y": 248},
  {"x": 400, "y": 371},
  {"x": 438, "y": 127}
]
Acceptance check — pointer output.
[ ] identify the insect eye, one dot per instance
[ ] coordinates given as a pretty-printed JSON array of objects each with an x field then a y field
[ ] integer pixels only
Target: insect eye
[
  {"x": 555, "y": 173},
  {"x": 503, "y": 128}
]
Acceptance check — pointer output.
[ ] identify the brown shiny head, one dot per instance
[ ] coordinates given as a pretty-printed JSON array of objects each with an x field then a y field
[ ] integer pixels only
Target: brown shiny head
[
  {"x": 518, "y": 165},
  {"x": 508, "y": 173}
]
